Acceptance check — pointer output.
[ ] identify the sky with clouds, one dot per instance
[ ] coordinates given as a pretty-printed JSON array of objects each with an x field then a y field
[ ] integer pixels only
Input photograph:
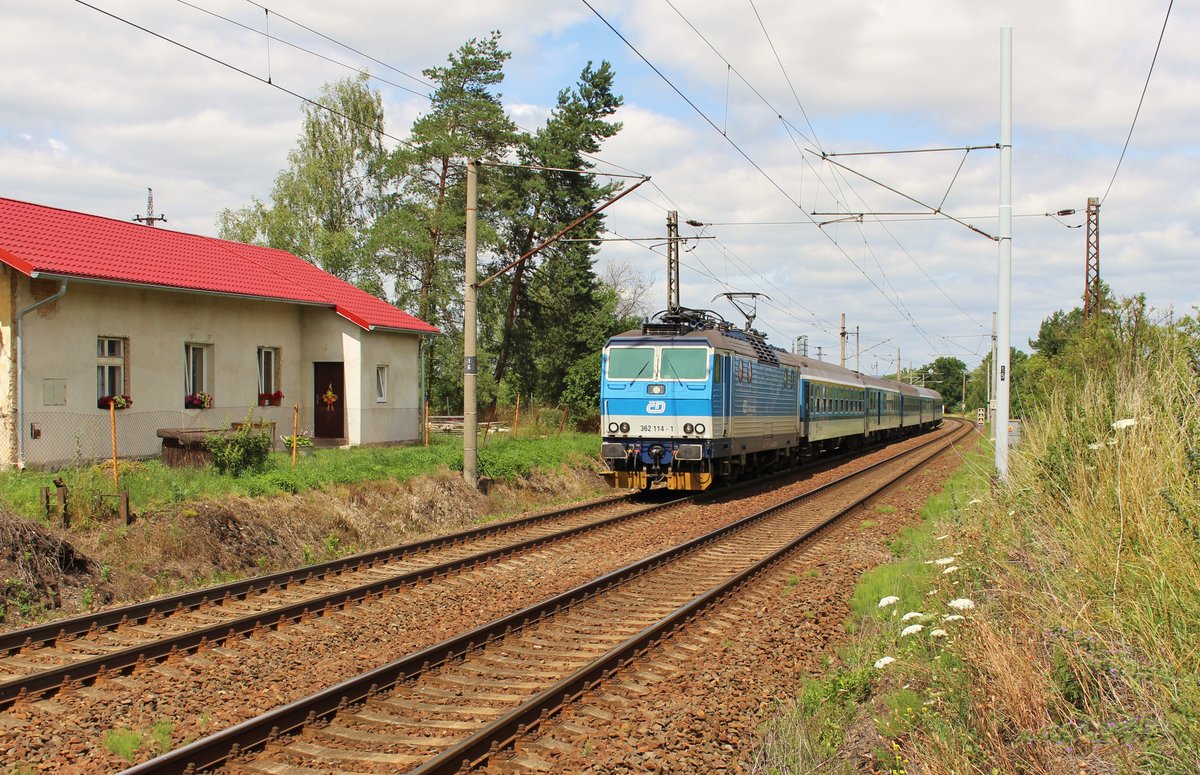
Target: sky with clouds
[{"x": 728, "y": 108}]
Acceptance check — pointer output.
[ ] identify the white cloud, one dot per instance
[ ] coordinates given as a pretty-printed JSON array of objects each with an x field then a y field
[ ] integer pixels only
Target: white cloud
[{"x": 96, "y": 111}]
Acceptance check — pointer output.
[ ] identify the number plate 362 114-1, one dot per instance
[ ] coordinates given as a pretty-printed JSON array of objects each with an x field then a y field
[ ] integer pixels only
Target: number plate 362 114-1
[{"x": 644, "y": 428}]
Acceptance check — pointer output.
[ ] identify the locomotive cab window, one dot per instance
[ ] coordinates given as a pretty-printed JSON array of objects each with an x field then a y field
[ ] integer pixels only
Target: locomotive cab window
[
  {"x": 684, "y": 363},
  {"x": 631, "y": 363}
]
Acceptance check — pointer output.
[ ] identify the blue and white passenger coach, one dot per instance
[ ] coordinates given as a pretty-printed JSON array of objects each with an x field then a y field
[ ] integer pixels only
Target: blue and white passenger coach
[{"x": 689, "y": 399}]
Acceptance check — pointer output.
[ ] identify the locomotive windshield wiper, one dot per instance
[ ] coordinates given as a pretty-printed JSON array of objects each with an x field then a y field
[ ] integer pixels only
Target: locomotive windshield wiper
[{"x": 635, "y": 377}]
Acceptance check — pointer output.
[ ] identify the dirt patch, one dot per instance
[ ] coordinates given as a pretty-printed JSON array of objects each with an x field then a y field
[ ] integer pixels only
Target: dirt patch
[{"x": 61, "y": 572}]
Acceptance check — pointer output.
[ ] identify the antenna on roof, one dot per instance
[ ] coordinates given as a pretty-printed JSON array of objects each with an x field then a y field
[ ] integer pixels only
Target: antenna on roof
[{"x": 149, "y": 218}]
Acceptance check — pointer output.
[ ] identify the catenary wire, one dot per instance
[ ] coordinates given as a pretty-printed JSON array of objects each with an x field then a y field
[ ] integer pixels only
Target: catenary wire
[
  {"x": 1141, "y": 99},
  {"x": 298, "y": 47},
  {"x": 742, "y": 153},
  {"x": 336, "y": 42},
  {"x": 816, "y": 142}
]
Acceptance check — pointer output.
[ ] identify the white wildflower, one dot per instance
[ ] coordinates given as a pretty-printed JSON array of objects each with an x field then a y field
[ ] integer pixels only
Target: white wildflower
[
  {"x": 911, "y": 629},
  {"x": 973, "y": 501},
  {"x": 908, "y": 617},
  {"x": 938, "y": 633},
  {"x": 951, "y": 569},
  {"x": 1121, "y": 425},
  {"x": 961, "y": 604},
  {"x": 953, "y": 618},
  {"x": 943, "y": 560},
  {"x": 889, "y": 600},
  {"x": 883, "y": 662},
  {"x": 1096, "y": 445}
]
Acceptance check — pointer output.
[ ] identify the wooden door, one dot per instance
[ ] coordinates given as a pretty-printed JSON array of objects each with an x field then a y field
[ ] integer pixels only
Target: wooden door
[{"x": 329, "y": 400}]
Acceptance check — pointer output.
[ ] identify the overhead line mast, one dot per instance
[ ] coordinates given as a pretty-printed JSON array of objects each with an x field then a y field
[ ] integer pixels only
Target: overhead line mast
[
  {"x": 149, "y": 218},
  {"x": 1091, "y": 278}
]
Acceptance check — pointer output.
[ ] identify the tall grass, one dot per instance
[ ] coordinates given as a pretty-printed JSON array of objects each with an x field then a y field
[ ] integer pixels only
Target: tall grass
[
  {"x": 1082, "y": 655},
  {"x": 1104, "y": 556}
]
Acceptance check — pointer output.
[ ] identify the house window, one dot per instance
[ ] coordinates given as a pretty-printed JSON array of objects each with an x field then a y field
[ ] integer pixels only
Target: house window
[
  {"x": 268, "y": 369},
  {"x": 381, "y": 384},
  {"x": 110, "y": 366},
  {"x": 196, "y": 368}
]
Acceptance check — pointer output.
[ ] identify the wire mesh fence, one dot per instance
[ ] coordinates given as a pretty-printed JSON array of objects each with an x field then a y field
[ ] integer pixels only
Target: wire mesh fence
[
  {"x": 63, "y": 438},
  {"x": 56, "y": 439}
]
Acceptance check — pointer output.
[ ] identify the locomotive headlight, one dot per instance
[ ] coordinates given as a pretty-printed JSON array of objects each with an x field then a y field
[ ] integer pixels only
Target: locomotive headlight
[
  {"x": 624, "y": 427},
  {"x": 688, "y": 428},
  {"x": 656, "y": 390},
  {"x": 612, "y": 427},
  {"x": 699, "y": 427}
]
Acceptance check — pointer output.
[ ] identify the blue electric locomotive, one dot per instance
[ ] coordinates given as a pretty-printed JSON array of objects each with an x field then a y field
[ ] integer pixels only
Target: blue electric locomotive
[{"x": 689, "y": 399}]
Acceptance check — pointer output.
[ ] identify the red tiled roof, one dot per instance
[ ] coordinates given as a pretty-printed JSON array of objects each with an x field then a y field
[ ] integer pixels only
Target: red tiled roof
[{"x": 37, "y": 240}]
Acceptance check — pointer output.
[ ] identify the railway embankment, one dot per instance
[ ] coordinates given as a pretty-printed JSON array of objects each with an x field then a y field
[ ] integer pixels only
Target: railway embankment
[
  {"x": 1046, "y": 624},
  {"x": 195, "y": 527}
]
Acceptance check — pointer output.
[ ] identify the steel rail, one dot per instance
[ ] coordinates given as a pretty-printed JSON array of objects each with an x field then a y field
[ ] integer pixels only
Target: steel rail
[
  {"x": 506, "y": 729},
  {"x": 54, "y": 678},
  {"x": 14, "y": 641},
  {"x": 216, "y": 749},
  {"x": 137, "y": 613}
]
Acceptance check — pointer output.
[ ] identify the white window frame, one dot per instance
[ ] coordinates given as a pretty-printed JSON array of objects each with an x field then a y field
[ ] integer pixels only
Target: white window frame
[
  {"x": 268, "y": 377},
  {"x": 381, "y": 383},
  {"x": 190, "y": 351},
  {"x": 109, "y": 360}
]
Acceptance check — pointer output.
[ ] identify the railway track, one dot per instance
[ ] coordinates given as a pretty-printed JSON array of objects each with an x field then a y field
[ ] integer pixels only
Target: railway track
[
  {"x": 39, "y": 660},
  {"x": 458, "y": 702}
]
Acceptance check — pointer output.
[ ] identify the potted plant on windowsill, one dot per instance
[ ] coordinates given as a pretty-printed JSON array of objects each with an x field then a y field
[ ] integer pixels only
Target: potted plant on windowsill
[
  {"x": 270, "y": 399},
  {"x": 117, "y": 402},
  {"x": 199, "y": 400}
]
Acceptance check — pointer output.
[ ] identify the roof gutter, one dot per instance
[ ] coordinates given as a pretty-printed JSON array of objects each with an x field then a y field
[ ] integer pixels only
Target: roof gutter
[{"x": 62, "y": 291}]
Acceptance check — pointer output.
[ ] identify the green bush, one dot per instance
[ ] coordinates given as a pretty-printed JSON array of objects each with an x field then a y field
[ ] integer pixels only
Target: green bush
[{"x": 245, "y": 449}]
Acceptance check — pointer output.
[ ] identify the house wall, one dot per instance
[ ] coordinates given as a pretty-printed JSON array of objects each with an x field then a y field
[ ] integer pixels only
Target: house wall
[
  {"x": 62, "y": 422},
  {"x": 60, "y": 351},
  {"x": 8, "y": 371},
  {"x": 330, "y": 337},
  {"x": 399, "y": 415}
]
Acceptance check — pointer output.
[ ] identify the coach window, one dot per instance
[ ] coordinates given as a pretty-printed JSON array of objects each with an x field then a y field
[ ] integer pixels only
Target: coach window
[{"x": 631, "y": 363}]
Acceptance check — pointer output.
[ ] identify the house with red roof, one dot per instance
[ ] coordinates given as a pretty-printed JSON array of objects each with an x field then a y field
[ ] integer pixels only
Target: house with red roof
[{"x": 186, "y": 331}]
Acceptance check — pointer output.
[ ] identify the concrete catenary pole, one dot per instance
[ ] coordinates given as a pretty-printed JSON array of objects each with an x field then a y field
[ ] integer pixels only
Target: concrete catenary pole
[
  {"x": 1004, "y": 303},
  {"x": 842, "y": 345},
  {"x": 470, "y": 369}
]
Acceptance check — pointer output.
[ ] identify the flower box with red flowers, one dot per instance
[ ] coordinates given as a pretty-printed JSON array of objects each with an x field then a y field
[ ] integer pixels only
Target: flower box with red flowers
[
  {"x": 197, "y": 400},
  {"x": 270, "y": 399},
  {"x": 116, "y": 402}
]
